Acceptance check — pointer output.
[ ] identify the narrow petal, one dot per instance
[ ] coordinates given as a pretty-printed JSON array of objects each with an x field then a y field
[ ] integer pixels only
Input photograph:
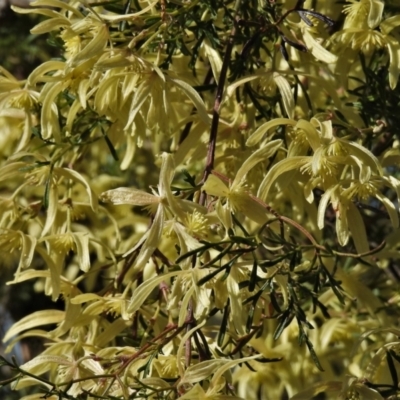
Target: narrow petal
[
  {"x": 319, "y": 52},
  {"x": 260, "y": 155},
  {"x": 38, "y": 318},
  {"x": 278, "y": 169},
  {"x": 375, "y": 13},
  {"x": 342, "y": 226},
  {"x": 215, "y": 187},
  {"x": 390, "y": 208},
  {"x": 94, "y": 48},
  {"x": 323, "y": 204},
  {"x": 131, "y": 196},
  {"x": 152, "y": 241},
  {"x": 264, "y": 128},
  {"x": 394, "y": 66},
  {"x": 82, "y": 246},
  {"x": 195, "y": 98},
  {"x": 51, "y": 209},
  {"x": 143, "y": 291},
  {"x": 357, "y": 229},
  {"x": 286, "y": 93},
  {"x": 77, "y": 177},
  {"x": 214, "y": 59}
]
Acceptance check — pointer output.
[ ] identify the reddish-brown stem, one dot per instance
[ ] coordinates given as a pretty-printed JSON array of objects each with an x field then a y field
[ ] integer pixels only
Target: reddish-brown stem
[{"x": 216, "y": 110}]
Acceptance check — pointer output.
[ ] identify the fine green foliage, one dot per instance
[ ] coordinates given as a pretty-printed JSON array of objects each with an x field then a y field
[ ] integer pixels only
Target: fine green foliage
[{"x": 210, "y": 189}]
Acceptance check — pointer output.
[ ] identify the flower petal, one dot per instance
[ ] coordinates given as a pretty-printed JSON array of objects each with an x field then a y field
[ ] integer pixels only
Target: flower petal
[
  {"x": 256, "y": 136},
  {"x": 132, "y": 196},
  {"x": 278, "y": 169},
  {"x": 153, "y": 238},
  {"x": 286, "y": 93},
  {"x": 319, "y": 52},
  {"x": 215, "y": 187},
  {"x": 260, "y": 155}
]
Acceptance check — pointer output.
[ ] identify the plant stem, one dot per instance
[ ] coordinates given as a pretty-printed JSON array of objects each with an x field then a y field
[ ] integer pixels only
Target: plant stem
[{"x": 218, "y": 100}]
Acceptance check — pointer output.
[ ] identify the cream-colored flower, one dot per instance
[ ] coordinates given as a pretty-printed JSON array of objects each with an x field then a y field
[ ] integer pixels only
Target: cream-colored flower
[
  {"x": 12, "y": 241},
  {"x": 162, "y": 203},
  {"x": 366, "y": 31},
  {"x": 236, "y": 197}
]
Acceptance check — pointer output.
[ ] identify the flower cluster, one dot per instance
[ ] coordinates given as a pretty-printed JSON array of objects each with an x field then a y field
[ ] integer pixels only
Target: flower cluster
[{"x": 207, "y": 190}]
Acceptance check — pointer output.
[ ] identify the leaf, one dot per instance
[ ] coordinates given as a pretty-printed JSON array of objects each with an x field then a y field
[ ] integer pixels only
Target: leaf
[
  {"x": 228, "y": 364},
  {"x": 185, "y": 338},
  {"x": 149, "y": 241},
  {"x": 33, "y": 320},
  {"x": 167, "y": 173},
  {"x": 28, "y": 250},
  {"x": 43, "y": 11},
  {"x": 49, "y": 114},
  {"x": 140, "y": 96},
  {"x": 84, "y": 298},
  {"x": 390, "y": 208},
  {"x": 43, "y": 360},
  {"x": 392, "y": 368},
  {"x": 37, "y": 333},
  {"x": 342, "y": 226},
  {"x": 311, "y": 133},
  {"x": 11, "y": 170},
  {"x": 364, "y": 155},
  {"x": 322, "y": 206}
]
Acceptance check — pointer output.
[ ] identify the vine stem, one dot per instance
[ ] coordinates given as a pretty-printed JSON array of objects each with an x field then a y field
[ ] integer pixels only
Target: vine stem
[{"x": 217, "y": 103}]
